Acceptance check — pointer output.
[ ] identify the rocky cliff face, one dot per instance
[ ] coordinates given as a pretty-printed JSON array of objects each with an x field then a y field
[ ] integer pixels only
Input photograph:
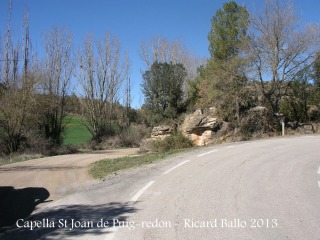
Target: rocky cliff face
[{"x": 202, "y": 126}]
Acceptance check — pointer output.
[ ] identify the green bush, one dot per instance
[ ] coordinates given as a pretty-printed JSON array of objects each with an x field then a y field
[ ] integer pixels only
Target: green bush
[{"x": 175, "y": 141}]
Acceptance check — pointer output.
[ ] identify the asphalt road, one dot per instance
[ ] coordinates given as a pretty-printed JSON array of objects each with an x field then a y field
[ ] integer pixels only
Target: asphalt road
[{"x": 265, "y": 189}]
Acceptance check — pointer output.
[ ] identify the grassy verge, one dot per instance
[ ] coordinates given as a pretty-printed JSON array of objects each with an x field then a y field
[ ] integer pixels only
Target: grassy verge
[
  {"x": 18, "y": 158},
  {"x": 76, "y": 133},
  {"x": 106, "y": 167}
]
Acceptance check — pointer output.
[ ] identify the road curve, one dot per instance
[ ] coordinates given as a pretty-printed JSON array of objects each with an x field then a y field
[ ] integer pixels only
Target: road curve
[{"x": 265, "y": 189}]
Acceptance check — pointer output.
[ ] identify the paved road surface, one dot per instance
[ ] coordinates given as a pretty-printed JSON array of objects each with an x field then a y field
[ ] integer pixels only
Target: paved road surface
[{"x": 266, "y": 189}]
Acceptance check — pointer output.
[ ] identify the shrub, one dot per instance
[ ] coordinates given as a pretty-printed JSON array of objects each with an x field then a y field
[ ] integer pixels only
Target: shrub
[
  {"x": 125, "y": 137},
  {"x": 254, "y": 123},
  {"x": 15, "y": 157},
  {"x": 175, "y": 141},
  {"x": 61, "y": 150}
]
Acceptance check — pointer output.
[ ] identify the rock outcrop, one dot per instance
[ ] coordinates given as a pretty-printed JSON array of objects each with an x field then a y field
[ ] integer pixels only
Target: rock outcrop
[
  {"x": 260, "y": 109},
  {"x": 201, "y": 127},
  {"x": 162, "y": 131},
  {"x": 158, "y": 134}
]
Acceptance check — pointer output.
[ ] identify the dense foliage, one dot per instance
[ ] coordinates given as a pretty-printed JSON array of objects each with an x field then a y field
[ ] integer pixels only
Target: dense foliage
[
  {"x": 162, "y": 87},
  {"x": 223, "y": 81},
  {"x": 228, "y": 29}
]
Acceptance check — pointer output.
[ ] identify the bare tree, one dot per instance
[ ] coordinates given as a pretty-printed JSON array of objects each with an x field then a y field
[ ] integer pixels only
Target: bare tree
[
  {"x": 7, "y": 49},
  {"x": 127, "y": 101},
  {"x": 281, "y": 47},
  {"x": 17, "y": 97},
  {"x": 160, "y": 49},
  {"x": 58, "y": 70},
  {"x": 102, "y": 73}
]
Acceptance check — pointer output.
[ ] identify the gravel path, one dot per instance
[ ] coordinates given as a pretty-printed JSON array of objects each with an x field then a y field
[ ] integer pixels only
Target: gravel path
[{"x": 60, "y": 175}]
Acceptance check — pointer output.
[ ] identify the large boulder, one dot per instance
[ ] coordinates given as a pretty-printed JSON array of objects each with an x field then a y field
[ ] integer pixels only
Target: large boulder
[
  {"x": 162, "y": 131},
  {"x": 158, "y": 134},
  {"x": 201, "y": 127}
]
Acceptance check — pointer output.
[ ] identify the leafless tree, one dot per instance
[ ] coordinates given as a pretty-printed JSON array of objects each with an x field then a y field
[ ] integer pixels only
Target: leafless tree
[
  {"x": 17, "y": 95},
  {"x": 102, "y": 72},
  {"x": 58, "y": 70},
  {"x": 280, "y": 48},
  {"x": 6, "y": 59},
  {"x": 127, "y": 101},
  {"x": 162, "y": 50}
]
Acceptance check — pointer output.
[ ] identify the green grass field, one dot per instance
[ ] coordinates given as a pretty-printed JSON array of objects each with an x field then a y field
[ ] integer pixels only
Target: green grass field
[{"x": 76, "y": 133}]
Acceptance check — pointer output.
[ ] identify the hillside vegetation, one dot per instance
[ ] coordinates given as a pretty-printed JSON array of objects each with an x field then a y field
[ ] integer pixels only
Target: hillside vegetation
[{"x": 267, "y": 59}]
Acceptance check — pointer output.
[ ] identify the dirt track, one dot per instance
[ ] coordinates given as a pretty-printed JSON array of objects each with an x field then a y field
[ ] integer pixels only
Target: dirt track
[{"x": 60, "y": 175}]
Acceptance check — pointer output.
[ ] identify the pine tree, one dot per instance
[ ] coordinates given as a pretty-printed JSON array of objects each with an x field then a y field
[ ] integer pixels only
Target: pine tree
[{"x": 228, "y": 29}]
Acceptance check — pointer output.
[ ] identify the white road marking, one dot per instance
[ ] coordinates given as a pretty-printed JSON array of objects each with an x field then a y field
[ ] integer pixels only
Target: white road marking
[
  {"x": 141, "y": 191},
  {"x": 171, "y": 169},
  {"x": 207, "y": 153},
  {"x": 230, "y": 147},
  {"x": 319, "y": 183},
  {"x": 112, "y": 231},
  {"x": 318, "y": 170}
]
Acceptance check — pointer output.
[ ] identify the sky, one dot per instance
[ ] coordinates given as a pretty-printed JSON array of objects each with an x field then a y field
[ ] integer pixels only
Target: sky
[{"x": 132, "y": 21}]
